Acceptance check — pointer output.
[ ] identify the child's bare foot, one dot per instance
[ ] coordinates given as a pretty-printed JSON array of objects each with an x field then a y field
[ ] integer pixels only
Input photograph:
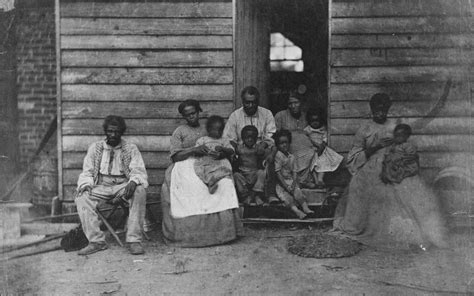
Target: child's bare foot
[
  {"x": 298, "y": 212},
  {"x": 258, "y": 201},
  {"x": 213, "y": 188},
  {"x": 306, "y": 209}
]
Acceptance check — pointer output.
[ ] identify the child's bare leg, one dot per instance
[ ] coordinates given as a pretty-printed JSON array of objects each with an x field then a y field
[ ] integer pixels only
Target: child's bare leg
[
  {"x": 258, "y": 199},
  {"x": 298, "y": 213},
  {"x": 306, "y": 209}
]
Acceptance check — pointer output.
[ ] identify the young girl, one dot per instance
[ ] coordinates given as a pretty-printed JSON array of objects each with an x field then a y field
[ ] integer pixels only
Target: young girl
[
  {"x": 401, "y": 160},
  {"x": 214, "y": 166},
  {"x": 325, "y": 159},
  {"x": 287, "y": 188}
]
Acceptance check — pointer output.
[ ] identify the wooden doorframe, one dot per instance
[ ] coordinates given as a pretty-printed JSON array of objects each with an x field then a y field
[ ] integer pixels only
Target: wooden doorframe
[{"x": 328, "y": 76}]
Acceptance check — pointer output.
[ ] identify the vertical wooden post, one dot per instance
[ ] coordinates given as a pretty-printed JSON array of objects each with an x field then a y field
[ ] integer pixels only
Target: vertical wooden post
[
  {"x": 58, "y": 98},
  {"x": 329, "y": 73}
]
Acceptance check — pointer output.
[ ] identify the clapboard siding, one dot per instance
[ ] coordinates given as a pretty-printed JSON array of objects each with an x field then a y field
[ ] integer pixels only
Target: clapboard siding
[
  {"x": 401, "y": 40},
  {"x": 146, "y": 26},
  {"x": 147, "y": 76},
  {"x": 390, "y": 25},
  {"x": 146, "y": 58},
  {"x": 149, "y": 126},
  {"x": 145, "y": 42},
  {"x": 397, "y": 74},
  {"x": 399, "y": 8},
  {"x": 429, "y": 91},
  {"x": 400, "y": 56},
  {"x": 150, "y": 10},
  {"x": 419, "y": 53},
  {"x": 140, "y": 60},
  {"x": 103, "y": 92},
  {"x": 137, "y": 109}
]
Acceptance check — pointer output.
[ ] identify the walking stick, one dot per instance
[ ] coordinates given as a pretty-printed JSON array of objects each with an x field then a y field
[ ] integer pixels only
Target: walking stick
[{"x": 109, "y": 227}]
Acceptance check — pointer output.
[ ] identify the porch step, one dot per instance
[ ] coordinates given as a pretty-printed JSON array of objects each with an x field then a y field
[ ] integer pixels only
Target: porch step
[{"x": 315, "y": 197}]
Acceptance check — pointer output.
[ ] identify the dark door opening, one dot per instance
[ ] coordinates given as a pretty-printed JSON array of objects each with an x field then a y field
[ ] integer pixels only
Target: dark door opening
[{"x": 282, "y": 46}]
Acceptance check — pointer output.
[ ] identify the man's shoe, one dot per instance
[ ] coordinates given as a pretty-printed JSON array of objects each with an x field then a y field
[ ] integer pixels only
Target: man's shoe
[
  {"x": 135, "y": 248},
  {"x": 92, "y": 248}
]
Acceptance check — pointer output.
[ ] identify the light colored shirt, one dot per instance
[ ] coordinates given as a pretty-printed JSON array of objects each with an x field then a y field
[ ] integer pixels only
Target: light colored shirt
[
  {"x": 262, "y": 119},
  {"x": 137, "y": 168},
  {"x": 368, "y": 135}
]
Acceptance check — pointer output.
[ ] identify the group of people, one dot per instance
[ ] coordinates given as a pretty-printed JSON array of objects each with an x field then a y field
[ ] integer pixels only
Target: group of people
[{"x": 256, "y": 157}]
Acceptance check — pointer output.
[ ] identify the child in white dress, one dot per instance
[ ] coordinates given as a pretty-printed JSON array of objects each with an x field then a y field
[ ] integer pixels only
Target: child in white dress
[{"x": 325, "y": 159}]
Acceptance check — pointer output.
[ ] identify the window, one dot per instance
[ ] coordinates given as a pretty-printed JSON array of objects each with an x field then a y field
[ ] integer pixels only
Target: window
[{"x": 284, "y": 54}]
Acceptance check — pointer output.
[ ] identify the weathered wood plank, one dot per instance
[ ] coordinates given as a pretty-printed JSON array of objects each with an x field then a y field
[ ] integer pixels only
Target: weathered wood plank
[
  {"x": 402, "y": 40},
  {"x": 391, "y": 25},
  {"x": 355, "y": 109},
  {"x": 398, "y": 74},
  {"x": 400, "y": 57},
  {"x": 145, "y": 42},
  {"x": 153, "y": 160},
  {"x": 399, "y": 91},
  {"x": 155, "y": 126},
  {"x": 103, "y": 92},
  {"x": 147, "y": 9},
  {"x": 448, "y": 143},
  {"x": 146, "y": 26},
  {"x": 155, "y": 176},
  {"x": 144, "y": 143},
  {"x": 138, "y": 109},
  {"x": 399, "y": 8},
  {"x": 147, "y": 76},
  {"x": 153, "y": 192},
  {"x": 143, "y": 58},
  {"x": 438, "y": 125}
]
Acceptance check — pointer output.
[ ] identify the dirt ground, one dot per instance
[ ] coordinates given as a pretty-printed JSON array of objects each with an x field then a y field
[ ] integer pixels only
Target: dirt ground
[{"x": 256, "y": 264}]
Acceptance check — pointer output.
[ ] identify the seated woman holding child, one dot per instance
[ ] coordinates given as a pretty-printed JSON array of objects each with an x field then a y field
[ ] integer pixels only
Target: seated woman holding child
[
  {"x": 386, "y": 202},
  {"x": 309, "y": 136},
  {"x": 199, "y": 203}
]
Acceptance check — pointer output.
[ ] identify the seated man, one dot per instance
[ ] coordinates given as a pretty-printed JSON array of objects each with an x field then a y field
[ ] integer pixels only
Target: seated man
[
  {"x": 252, "y": 114},
  {"x": 113, "y": 172}
]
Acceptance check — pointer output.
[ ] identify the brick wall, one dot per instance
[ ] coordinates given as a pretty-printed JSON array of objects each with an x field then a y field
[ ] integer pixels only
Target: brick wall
[{"x": 36, "y": 80}]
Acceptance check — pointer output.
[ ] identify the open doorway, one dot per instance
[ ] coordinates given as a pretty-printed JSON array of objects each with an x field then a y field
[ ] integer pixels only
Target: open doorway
[{"x": 282, "y": 46}]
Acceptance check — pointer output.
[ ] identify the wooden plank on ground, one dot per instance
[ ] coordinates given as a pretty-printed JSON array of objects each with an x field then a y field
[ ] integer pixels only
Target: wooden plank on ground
[
  {"x": 103, "y": 92},
  {"x": 394, "y": 25},
  {"x": 355, "y": 109},
  {"x": 448, "y": 143},
  {"x": 397, "y": 8},
  {"x": 145, "y": 42},
  {"x": 139, "y": 109},
  {"x": 155, "y": 126},
  {"x": 402, "y": 41},
  {"x": 152, "y": 160},
  {"x": 437, "y": 125},
  {"x": 399, "y": 91},
  {"x": 146, "y": 76},
  {"x": 400, "y": 57},
  {"x": 398, "y": 74},
  {"x": 155, "y": 176},
  {"x": 147, "y": 9},
  {"x": 46, "y": 228},
  {"x": 144, "y": 143},
  {"x": 146, "y": 26},
  {"x": 144, "y": 58}
]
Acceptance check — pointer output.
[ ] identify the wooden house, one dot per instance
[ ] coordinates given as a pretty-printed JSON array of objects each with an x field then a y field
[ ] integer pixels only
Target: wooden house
[{"x": 140, "y": 59}]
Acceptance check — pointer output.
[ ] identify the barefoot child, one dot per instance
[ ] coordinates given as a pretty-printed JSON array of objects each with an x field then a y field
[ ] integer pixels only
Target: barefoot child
[
  {"x": 325, "y": 159},
  {"x": 249, "y": 178},
  {"x": 215, "y": 166},
  {"x": 287, "y": 188},
  {"x": 401, "y": 159}
]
